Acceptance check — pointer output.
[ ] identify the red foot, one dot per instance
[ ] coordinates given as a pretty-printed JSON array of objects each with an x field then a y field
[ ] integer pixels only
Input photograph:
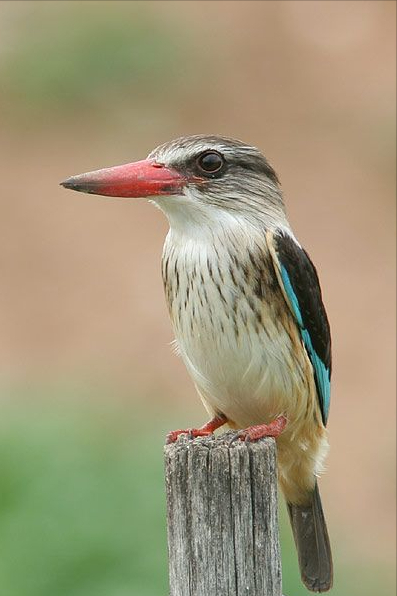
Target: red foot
[
  {"x": 203, "y": 431},
  {"x": 192, "y": 432},
  {"x": 273, "y": 429}
]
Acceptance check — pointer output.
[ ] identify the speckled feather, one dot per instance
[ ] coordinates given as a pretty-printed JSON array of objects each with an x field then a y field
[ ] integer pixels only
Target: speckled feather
[{"x": 241, "y": 345}]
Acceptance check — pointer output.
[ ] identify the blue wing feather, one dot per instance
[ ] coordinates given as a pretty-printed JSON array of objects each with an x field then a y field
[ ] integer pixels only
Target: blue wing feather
[{"x": 302, "y": 289}]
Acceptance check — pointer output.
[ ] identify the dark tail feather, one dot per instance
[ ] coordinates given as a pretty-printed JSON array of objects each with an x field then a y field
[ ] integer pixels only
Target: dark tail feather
[{"x": 312, "y": 542}]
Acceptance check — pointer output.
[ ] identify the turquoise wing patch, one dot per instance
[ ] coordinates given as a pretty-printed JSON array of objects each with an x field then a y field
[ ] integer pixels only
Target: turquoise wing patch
[{"x": 322, "y": 372}]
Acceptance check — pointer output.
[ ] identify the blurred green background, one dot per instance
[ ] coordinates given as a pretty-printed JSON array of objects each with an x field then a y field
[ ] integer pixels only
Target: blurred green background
[{"x": 89, "y": 384}]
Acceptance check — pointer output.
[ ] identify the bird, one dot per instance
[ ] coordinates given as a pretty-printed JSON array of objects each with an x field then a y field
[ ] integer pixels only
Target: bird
[{"x": 246, "y": 308}]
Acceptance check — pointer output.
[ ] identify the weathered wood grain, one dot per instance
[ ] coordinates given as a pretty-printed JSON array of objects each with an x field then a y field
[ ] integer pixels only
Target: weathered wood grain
[{"x": 222, "y": 517}]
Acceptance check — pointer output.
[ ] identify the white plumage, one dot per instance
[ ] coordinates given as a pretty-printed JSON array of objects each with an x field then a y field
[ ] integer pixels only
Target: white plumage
[{"x": 247, "y": 361}]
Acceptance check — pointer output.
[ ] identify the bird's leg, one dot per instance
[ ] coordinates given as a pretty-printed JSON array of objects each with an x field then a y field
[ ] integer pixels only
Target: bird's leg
[
  {"x": 203, "y": 431},
  {"x": 273, "y": 429}
]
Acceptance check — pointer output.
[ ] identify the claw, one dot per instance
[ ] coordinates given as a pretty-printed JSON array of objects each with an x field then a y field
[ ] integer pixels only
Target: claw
[
  {"x": 192, "y": 433},
  {"x": 174, "y": 434},
  {"x": 235, "y": 437},
  {"x": 204, "y": 431}
]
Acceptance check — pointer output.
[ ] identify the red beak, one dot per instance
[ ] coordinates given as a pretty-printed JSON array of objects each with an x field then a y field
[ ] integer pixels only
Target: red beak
[{"x": 144, "y": 178}]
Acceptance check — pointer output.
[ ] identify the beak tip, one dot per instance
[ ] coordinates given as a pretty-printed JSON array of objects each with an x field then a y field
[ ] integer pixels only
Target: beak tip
[
  {"x": 70, "y": 183},
  {"x": 66, "y": 183}
]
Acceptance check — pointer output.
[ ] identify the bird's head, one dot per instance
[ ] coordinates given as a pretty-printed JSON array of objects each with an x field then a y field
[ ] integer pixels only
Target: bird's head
[{"x": 196, "y": 178}]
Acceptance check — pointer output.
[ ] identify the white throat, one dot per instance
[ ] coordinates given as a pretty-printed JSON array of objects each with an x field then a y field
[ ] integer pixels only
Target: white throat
[{"x": 190, "y": 217}]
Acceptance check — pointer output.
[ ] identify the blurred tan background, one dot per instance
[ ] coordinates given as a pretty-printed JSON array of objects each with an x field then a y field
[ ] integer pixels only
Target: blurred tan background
[{"x": 84, "y": 332}]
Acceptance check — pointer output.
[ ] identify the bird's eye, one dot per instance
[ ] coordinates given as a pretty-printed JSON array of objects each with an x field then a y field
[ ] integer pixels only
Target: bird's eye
[{"x": 210, "y": 162}]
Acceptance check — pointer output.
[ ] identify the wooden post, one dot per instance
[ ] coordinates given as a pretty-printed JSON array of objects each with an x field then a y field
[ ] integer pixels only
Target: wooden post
[{"x": 222, "y": 517}]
